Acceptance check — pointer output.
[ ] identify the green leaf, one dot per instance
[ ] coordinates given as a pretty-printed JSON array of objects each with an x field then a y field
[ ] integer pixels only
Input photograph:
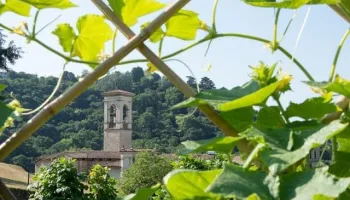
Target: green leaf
[
  {"x": 5, "y": 112},
  {"x": 15, "y": 6},
  {"x": 130, "y": 10},
  {"x": 189, "y": 184},
  {"x": 234, "y": 181},
  {"x": 221, "y": 145},
  {"x": 41, "y": 4},
  {"x": 270, "y": 117},
  {"x": 303, "y": 125},
  {"x": 314, "y": 108},
  {"x": 222, "y": 95},
  {"x": 293, "y": 4},
  {"x": 341, "y": 166},
  {"x": 255, "y": 98},
  {"x": 156, "y": 36},
  {"x": 253, "y": 197},
  {"x": 183, "y": 25},
  {"x": 308, "y": 184},
  {"x": 2, "y": 87},
  {"x": 343, "y": 141},
  {"x": 279, "y": 159},
  {"x": 240, "y": 119},
  {"x": 340, "y": 86},
  {"x": 344, "y": 5},
  {"x": 66, "y": 36},
  {"x": 276, "y": 138},
  {"x": 143, "y": 193},
  {"x": 93, "y": 33}
]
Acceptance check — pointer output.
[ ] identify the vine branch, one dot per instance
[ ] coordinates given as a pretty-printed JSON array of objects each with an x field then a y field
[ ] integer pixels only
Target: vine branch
[{"x": 334, "y": 65}]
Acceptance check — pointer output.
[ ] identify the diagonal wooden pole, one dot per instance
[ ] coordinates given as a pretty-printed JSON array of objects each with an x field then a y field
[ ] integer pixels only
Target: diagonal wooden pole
[
  {"x": 60, "y": 102},
  {"x": 212, "y": 115}
]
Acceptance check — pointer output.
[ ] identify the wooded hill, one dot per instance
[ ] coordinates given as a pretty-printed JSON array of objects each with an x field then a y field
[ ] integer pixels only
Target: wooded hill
[{"x": 80, "y": 125}]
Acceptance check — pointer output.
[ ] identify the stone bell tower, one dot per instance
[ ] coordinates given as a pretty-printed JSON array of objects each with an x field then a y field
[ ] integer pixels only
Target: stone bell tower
[{"x": 117, "y": 120}]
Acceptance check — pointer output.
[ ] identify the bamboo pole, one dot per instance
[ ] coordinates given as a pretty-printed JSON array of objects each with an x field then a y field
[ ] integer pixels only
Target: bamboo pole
[
  {"x": 6, "y": 193},
  {"x": 212, "y": 115},
  {"x": 60, "y": 102}
]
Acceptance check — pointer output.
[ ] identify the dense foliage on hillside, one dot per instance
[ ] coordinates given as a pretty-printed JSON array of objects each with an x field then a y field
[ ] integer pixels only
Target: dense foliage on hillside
[{"x": 80, "y": 125}]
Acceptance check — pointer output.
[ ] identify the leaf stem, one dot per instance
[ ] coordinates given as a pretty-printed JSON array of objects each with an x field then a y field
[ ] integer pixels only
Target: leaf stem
[
  {"x": 213, "y": 17},
  {"x": 59, "y": 81},
  {"x": 334, "y": 65},
  {"x": 252, "y": 155},
  {"x": 282, "y": 109},
  {"x": 334, "y": 148},
  {"x": 48, "y": 24},
  {"x": 275, "y": 29},
  {"x": 160, "y": 47},
  {"x": 35, "y": 21},
  {"x": 321, "y": 156}
]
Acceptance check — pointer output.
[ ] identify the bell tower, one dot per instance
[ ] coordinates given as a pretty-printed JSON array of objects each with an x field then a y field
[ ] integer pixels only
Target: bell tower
[{"x": 117, "y": 134}]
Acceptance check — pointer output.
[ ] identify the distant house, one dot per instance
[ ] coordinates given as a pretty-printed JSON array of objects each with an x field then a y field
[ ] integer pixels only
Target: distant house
[{"x": 117, "y": 153}]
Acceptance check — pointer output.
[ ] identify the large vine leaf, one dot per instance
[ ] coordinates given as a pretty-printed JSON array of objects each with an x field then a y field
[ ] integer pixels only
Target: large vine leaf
[
  {"x": 143, "y": 193},
  {"x": 234, "y": 181},
  {"x": 270, "y": 117},
  {"x": 341, "y": 166},
  {"x": 221, "y": 145},
  {"x": 16, "y": 6},
  {"x": 340, "y": 86},
  {"x": 255, "y": 98},
  {"x": 217, "y": 96},
  {"x": 311, "y": 183},
  {"x": 276, "y": 138},
  {"x": 293, "y": 4},
  {"x": 343, "y": 141},
  {"x": 93, "y": 33},
  {"x": 130, "y": 10},
  {"x": 40, "y": 4},
  {"x": 279, "y": 159},
  {"x": 240, "y": 97},
  {"x": 66, "y": 36},
  {"x": 240, "y": 119},
  {"x": 183, "y": 25},
  {"x": 314, "y": 108},
  {"x": 189, "y": 184}
]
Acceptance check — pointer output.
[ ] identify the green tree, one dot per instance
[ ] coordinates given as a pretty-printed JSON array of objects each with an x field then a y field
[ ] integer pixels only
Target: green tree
[
  {"x": 8, "y": 54},
  {"x": 147, "y": 170},
  {"x": 59, "y": 181},
  {"x": 101, "y": 185},
  {"x": 206, "y": 84}
]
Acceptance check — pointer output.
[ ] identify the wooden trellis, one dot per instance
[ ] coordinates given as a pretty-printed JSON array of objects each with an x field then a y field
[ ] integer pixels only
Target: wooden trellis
[{"x": 135, "y": 42}]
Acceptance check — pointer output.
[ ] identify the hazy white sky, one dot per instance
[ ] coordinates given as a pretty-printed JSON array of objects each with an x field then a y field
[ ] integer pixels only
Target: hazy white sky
[{"x": 229, "y": 57}]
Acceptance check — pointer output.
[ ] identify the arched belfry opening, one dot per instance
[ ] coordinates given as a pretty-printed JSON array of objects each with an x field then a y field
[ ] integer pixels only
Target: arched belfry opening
[
  {"x": 112, "y": 116},
  {"x": 125, "y": 114}
]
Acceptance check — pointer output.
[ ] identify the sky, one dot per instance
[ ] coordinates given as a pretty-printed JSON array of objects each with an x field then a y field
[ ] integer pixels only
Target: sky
[{"x": 230, "y": 57}]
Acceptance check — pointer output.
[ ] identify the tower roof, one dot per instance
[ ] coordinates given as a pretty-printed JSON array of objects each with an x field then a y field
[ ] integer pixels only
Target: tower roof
[{"x": 118, "y": 93}]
